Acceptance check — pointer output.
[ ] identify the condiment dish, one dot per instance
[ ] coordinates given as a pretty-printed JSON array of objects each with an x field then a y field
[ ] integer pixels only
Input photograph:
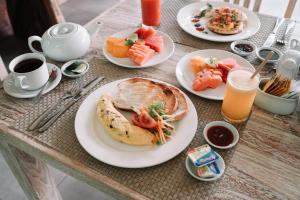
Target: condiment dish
[
  {"x": 265, "y": 50},
  {"x": 241, "y": 52},
  {"x": 230, "y": 127},
  {"x": 274, "y": 104},
  {"x": 190, "y": 167},
  {"x": 71, "y": 74}
]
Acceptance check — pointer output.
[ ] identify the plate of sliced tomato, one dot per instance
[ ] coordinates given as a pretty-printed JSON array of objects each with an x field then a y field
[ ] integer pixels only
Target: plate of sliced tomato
[{"x": 204, "y": 72}]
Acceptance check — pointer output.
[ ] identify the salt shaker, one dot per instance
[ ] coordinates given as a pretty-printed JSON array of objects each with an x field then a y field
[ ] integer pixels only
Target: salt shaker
[{"x": 288, "y": 64}]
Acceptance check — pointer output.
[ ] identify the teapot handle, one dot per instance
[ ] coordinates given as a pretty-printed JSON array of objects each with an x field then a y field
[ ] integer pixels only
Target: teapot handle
[{"x": 31, "y": 39}]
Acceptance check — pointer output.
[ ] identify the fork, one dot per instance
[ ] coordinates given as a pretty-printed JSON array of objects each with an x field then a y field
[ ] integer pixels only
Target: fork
[
  {"x": 283, "y": 40},
  {"x": 42, "y": 119}
]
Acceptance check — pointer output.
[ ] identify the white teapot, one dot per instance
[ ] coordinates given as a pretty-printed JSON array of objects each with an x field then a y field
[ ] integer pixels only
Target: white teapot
[{"x": 63, "y": 42}]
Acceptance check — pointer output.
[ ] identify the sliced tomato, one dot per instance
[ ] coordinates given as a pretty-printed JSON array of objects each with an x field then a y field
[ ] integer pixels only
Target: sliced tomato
[{"x": 144, "y": 120}]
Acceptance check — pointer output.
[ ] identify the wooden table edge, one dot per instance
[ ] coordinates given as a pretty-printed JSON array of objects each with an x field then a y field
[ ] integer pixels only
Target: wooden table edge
[{"x": 33, "y": 147}]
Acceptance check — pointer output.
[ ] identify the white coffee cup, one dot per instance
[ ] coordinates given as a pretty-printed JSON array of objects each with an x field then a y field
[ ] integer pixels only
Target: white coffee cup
[{"x": 29, "y": 79}]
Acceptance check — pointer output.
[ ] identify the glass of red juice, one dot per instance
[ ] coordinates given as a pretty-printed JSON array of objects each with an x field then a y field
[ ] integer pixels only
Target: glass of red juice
[{"x": 151, "y": 12}]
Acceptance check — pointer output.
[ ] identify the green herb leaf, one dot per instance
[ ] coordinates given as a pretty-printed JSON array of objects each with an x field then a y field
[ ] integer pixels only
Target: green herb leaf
[
  {"x": 166, "y": 131},
  {"x": 129, "y": 42},
  {"x": 159, "y": 107},
  {"x": 234, "y": 17},
  {"x": 131, "y": 39},
  {"x": 213, "y": 61},
  {"x": 209, "y": 6},
  {"x": 159, "y": 142},
  {"x": 202, "y": 13}
]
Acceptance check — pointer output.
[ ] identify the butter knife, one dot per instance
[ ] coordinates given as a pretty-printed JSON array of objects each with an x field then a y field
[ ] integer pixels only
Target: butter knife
[
  {"x": 73, "y": 100},
  {"x": 271, "y": 38},
  {"x": 48, "y": 113}
]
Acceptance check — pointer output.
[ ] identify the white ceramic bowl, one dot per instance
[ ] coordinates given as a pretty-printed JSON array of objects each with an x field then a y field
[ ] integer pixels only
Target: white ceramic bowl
[
  {"x": 274, "y": 104},
  {"x": 63, "y": 68},
  {"x": 241, "y": 53},
  {"x": 268, "y": 48},
  {"x": 190, "y": 167},
  {"x": 224, "y": 124}
]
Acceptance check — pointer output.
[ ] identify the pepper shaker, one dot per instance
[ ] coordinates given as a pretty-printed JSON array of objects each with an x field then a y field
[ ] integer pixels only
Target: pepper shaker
[{"x": 288, "y": 64}]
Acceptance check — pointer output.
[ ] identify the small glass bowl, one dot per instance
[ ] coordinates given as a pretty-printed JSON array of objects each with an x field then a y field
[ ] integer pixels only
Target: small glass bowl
[{"x": 242, "y": 53}]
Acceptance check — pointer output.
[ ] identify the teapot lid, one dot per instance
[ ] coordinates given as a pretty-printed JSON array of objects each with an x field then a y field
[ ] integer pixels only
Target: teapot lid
[{"x": 63, "y": 29}]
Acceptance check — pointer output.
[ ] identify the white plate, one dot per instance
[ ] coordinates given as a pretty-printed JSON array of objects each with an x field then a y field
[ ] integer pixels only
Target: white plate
[
  {"x": 185, "y": 76},
  {"x": 158, "y": 58},
  {"x": 186, "y": 14},
  {"x": 12, "y": 90},
  {"x": 98, "y": 143},
  {"x": 192, "y": 169}
]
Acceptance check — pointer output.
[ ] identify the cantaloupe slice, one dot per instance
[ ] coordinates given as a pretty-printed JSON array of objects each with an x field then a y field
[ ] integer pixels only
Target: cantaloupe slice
[{"x": 117, "y": 47}]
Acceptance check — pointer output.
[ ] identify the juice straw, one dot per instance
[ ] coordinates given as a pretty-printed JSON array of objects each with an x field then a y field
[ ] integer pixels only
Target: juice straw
[{"x": 262, "y": 64}]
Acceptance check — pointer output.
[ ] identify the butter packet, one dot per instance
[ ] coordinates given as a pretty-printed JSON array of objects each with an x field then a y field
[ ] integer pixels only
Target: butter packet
[
  {"x": 202, "y": 155},
  {"x": 208, "y": 171}
]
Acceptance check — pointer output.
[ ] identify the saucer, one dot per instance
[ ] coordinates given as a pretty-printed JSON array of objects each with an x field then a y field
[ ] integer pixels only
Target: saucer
[
  {"x": 63, "y": 68},
  {"x": 12, "y": 90},
  {"x": 192, "y": 169}
]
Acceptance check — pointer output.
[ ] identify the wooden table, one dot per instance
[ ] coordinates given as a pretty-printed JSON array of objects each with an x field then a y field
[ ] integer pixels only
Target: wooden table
[{"x": 265, "y": 163}]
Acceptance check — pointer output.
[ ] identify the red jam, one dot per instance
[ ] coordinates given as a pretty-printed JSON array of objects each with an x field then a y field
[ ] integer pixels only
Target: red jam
[
  {"x": 200, "y": 29},
  {"x": 220, "y": 136}
]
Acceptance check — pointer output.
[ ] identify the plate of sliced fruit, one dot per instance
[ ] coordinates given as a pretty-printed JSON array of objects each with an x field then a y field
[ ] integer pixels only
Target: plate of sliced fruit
[
  {"x": 138, "y": 48},
  {"x": 204, "y": 72}
]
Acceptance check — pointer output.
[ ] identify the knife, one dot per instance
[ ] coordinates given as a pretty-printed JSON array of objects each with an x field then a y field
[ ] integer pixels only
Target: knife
[
  {"x": 48, "y": 113},
  {"x": 73, "y": 100},
  {"x": 271, "y": 38}
]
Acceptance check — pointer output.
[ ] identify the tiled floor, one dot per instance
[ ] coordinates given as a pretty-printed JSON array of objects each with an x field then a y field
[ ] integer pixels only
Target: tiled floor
[{"x": 70, "y": 188}]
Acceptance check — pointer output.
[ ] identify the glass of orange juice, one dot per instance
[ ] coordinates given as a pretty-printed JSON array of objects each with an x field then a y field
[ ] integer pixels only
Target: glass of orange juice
[
  {"x": 151, "y": 12},
  {"x": 240, "y": 92}
]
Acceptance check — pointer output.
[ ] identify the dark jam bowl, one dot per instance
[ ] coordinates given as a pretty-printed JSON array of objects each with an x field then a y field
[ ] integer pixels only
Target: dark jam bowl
[
  {"x": 221, "y": 129},
  {"x": 243, "y": 47}
]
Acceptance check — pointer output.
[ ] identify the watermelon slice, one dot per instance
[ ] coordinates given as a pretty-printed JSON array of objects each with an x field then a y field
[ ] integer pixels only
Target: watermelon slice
[
  {"x": 226, "y": 65},
  {"x": 229, "y": 62},
  {"x": 141, "y": 31},
  {"x": 145, "y": 32},
  {"x": 156, "y": 43}
]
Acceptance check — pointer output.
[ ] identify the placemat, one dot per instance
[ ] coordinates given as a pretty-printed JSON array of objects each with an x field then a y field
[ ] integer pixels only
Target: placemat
[
  {"x": 166, "y": 181},
  {"x": 169, "y": 25}
]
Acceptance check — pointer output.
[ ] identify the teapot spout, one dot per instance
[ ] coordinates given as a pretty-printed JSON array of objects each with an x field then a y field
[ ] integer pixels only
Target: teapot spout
[{"x": 94, "y": 29}]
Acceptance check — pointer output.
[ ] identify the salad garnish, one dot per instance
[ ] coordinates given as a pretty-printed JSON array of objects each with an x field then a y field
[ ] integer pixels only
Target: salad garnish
[
  {"x": 205, "y": 11},
  {"x": 155, "y": 119}
]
